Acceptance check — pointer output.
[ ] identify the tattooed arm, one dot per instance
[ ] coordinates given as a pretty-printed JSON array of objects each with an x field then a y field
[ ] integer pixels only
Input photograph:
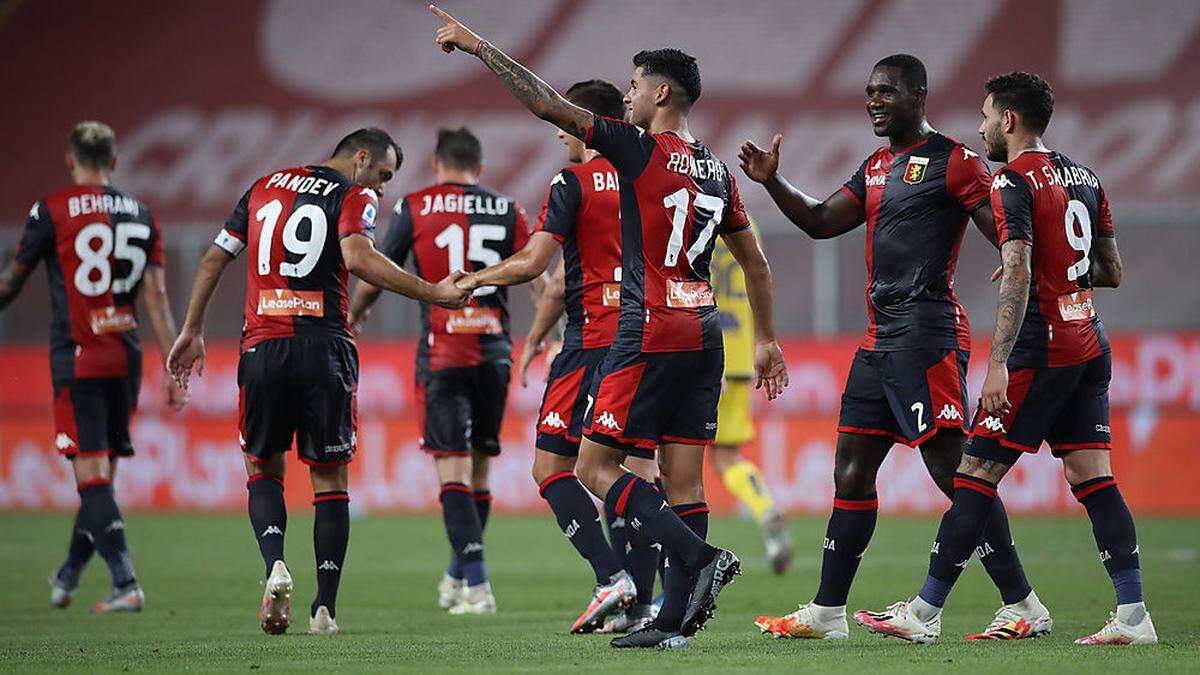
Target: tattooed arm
[
  {"x": 1106, "y": 263},
  {"x": 1014, "y": 299},
  {"x": 12, "y": 278},
  {"x": 540, "y": 98}
]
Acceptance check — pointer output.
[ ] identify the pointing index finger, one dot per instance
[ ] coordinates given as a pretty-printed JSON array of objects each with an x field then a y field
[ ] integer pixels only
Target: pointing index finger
[{"x": 442, "y": 15}]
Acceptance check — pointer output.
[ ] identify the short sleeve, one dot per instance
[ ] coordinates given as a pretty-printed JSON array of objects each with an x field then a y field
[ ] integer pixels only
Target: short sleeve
[
  {"x": 564, "y": 198},
  {"x": 360, "y": 206},
  {"x": 156, "y": 255},
  {"x": 1105, "y": 228},
  {"x": 232, "y": 237},
  {"x": 856, "y": 187},
  {"x": 625, "y": 146},
  {"x": 37, "y": 241},
  {"x": 967, "y": 178},
  {"x": 520, "y": 228},
  {"x": 735, "y": 219},
  {"x": 398, "y": 241},
  {"x": 1012, "y": 206}
]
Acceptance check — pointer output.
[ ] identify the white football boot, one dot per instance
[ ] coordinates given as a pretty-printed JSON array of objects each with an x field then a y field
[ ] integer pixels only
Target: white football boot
[
  {"x": 275, "y": 614},
  {"x": 899, "y": 621},
  {"x": 1026, "y": 619},
  {"x": 450, "y": 591},
  {"x": 1117, "y": 632},
  {"x": 61, "y": 592},
  {"x": 476, "y": 600},
  {"x": 808, "y": 622},
  {"x": 628, "y": 620},
  {"x": 606, "y": 599},
  {"x": 322, "y": 624},
  {"x": 129, "y": 599}
]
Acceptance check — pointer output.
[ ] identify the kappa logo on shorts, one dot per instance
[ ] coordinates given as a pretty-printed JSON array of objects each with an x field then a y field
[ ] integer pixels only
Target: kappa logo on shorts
[
  {"x": 993, "y": 423},
  {"x": 606, "y": 420},
  {"x": 63, "y": 441},
  {"x": 554, "y": 421},
  {"x": 950, "y": 412}
]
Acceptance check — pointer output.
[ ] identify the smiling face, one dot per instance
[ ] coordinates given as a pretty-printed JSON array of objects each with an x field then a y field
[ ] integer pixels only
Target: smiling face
[
  {"x": 640, "y": 100},
  {"x": 995, "y": 143},
  {"x": 892, "y": 107}
]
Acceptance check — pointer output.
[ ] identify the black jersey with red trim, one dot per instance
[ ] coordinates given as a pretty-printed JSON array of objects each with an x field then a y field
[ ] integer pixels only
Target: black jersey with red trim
[
  {"x": 917, "y": 202},
  {"x": 96, "y": 242},
  {"x": 676, "y": 197},
  {"x": 291, "y": 223},
  {"x": 448, "y": 227},
  {"x": 583, "y": 212},
  {"x": 1059, "y": 208}
]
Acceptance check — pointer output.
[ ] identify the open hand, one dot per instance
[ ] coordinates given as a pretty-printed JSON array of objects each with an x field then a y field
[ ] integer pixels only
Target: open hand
[
  {"x": 188, "y": 352},
  {"x": 453, "y": 35},
  {"x": 177, "y": 396},
  {"x": 758, "y": 164},
  {"x": 770, "y": 370},
  {"x": 531, "y": 352}
]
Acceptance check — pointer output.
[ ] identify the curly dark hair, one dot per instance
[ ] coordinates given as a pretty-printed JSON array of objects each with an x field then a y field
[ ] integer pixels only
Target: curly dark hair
[
  {"x": 675, "y": 65},
  {"x": 1025, "y": 94}
]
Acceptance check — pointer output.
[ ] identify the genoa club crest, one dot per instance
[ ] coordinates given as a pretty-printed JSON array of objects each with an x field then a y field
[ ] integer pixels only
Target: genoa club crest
[{"x": 915, "y": 171}]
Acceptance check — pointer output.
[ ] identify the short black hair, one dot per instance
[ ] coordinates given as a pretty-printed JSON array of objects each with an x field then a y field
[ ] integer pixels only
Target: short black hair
[
  {"x": 675, "y": 65},
  {"x": 912, "y": 71},
  {"x": 459, "y": 149},
  {"x": 93, "y": 144},
  {"x": 372, "y": 139},
  {"x": 1025, "y": 94},
  {"x": 599, "y": 96}
]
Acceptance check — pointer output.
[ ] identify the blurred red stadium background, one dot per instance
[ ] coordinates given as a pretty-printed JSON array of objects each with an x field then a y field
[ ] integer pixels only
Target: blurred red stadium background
[{"x": 207, "y": 96}]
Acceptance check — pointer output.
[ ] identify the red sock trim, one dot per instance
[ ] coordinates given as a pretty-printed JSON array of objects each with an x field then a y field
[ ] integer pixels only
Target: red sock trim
[
  {"x": 553, "y": 478},
  {"x": 337, "y": 496},
  {"x": 1084, "y": 489},
  {"x": 856, "y": 504},
  {"x": 92, "y": 483},
  {"x": 259, "y": 476},
  {"x": 623, "y": 499},
  {"x": 483, "y": 496},
  {"x": 980, "y": 486},
  {"x": 703, "y": 508},
  {"x": 454, "y": 487}
]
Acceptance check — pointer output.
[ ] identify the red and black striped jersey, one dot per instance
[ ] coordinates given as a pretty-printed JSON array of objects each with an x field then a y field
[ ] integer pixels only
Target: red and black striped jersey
[
  {"x": 583, "y": 212},
  {"x": 291, "y": 223},
  {"x": 451, "y": 227},
  {"x": 675, "y": 197},
  {"x": 917, "y": 202},
  {"x": 1058, "y": 207},
  {"x": 96, "y": 242}
]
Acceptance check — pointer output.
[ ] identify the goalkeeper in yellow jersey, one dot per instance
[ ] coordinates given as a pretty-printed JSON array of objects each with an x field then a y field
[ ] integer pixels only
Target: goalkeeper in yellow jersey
[{"x": 735, "y": 427}]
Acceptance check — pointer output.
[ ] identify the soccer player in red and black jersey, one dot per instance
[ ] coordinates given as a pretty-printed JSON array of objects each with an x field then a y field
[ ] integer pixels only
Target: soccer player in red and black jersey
[
  {"x": 1050, "y": 364},
  {"x": 659, "y": 383},
  {"x": 101, "y": 246},
  {"x": 582, "y": 216},
  {"x": 304, "y": 229},
  {"x": 907, "y": 383},
  {"x": 464, "y": 356}
]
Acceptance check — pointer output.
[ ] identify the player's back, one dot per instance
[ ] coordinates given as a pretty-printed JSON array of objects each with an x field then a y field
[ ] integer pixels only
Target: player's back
[
  {"x": 676, "y": 196},
  {"x": 1059, "y": 208},
  {"x": 449, "y": 227},
  {"x": 97, "y": 241},
  {"x": 291, "y": 223},
  {"x": 583, "y": 212}
]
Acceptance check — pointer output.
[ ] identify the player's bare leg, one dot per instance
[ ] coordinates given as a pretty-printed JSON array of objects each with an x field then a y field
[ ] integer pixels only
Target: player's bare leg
[
  {"x": 638, "y": 555},
  {"x": 64, "y": 581},
  {"x": 745, "y": 481},
  {"x": 851, "y": 524},
  {"x": 331, "y": 535},
  {"x": 465, "y": 533},
  {"x": 102, "y": 519},
  {"x": 1089, "y": 472},
  {"x": 268, "y": 520}
]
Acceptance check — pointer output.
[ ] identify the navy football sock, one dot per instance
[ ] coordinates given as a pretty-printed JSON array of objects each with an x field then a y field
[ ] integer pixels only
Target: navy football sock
[
  {"x": 483, "y": 506},
  {"x": 580, "y": 522},
  {"x": 618, "y": 535},
  {"x": 463, "y": 530},
  {"x": 1116, "y": 537},
  {"x": 645, "y": 510},
  {"x": 998, "y": 553},
  {"x": 268, "y": 516},
  {"x": 637, "y": 554},
  {"x": 678, "y": 579},
  {"x": 846, "y": 538},
  {"x": 79, "y": 552},
  {"x": 331, "y": 534},
  {"x": 104, "y": 522},
  {"x": 959, "y": 533}
]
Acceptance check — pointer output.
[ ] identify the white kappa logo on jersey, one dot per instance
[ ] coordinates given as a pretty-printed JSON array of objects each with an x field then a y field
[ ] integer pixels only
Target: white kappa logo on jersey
[
  {"x": 993, "y": 423},
  {"x": 607, "y": 421},
  {"x": 967, "y": 154},
  {"x": 1001, "y": 181},
  {"x": 558, "y": 179},
  {"x": 33, "y": 211},
  {"x": 63, "y": 441},
  {"x": 950, "y": 412},
  {"x": 271, "y": 529},
  {"x": 877, "y": 165},
  {"x": 554, "y": 421}
]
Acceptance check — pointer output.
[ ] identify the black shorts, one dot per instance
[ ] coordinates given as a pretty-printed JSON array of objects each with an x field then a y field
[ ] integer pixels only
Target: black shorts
[
  {"x": 1066, "y": 406},
  {"x": 566, "y": 402},
  {"x": 300, "y": 388},
  {"x": 91, "y": 415},
  {"x": 462, "y": 408},
  {"x": 906, "y": 395},
  {"x": 641, "y": 399}
]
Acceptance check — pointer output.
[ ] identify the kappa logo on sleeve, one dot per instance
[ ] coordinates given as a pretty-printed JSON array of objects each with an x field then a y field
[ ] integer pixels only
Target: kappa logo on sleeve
[{"x": 1001, "y": 181}]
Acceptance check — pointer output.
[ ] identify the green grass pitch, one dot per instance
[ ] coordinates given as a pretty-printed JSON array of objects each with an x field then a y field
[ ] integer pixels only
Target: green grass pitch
[{"x": 202, "y": 580}]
